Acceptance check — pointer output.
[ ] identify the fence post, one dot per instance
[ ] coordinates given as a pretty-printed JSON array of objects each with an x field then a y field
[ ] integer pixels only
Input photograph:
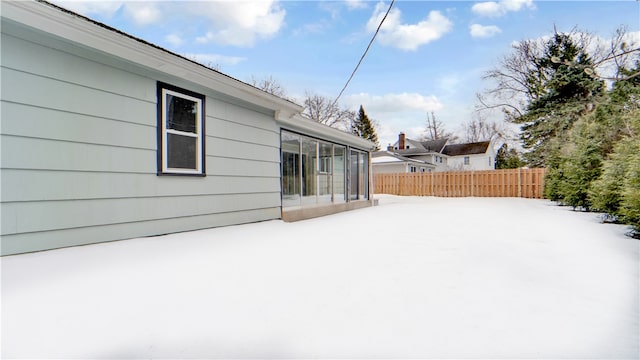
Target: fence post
[
  {"x": 432, "y": 181},
  {"x": 519, "y": 182},
  {"x": 472, "y": 182}
]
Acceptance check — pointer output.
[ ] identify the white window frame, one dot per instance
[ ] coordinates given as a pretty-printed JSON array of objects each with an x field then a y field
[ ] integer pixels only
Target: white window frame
[{"x": 198, "y": 135}]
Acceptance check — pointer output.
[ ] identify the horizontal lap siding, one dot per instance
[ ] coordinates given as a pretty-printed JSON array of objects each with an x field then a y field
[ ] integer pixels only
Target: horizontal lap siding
[{"x": 79, "y": 155}]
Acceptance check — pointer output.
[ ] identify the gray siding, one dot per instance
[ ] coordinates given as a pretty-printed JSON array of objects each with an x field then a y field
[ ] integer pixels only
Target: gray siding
[{"x": 78, "y": 153}]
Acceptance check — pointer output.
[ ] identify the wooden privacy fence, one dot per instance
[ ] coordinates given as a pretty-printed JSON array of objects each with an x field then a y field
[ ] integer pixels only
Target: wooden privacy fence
[{"x": 526, "y": 183}]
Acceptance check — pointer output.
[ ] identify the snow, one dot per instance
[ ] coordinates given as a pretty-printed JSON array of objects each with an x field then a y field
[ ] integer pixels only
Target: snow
[{"x": 412, "y": 278}]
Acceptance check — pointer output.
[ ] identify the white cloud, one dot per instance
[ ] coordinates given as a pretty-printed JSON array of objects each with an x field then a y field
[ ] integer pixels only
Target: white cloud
[
  {"x": 356, "y": 4},
  {"x": 480, "y": 31},
  {"x": 393, "y": 103},
  {"x": 140, "y": 12},
  {"x": 174, "y": 40},
  {"x": 96, "y": 7},
  {"x": 239, "y": 23},
  {"x": 394, "y": 113},
  {"x": 143, "y": 12},
  {"x": 500, "y": 8},
  {"x": 214, "y": 60},
  {"x": 407, "y": 36}
]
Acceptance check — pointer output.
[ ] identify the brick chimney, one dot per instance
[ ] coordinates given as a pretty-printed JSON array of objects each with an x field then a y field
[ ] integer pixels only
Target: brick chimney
[{"x": 401, "y": 141}]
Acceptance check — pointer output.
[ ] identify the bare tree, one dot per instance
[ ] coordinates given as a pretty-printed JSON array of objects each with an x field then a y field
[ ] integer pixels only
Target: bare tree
[
  {"x": 323, "y": 110},
  {"x": 270, "y": 85},
  {"x": 435, "y": 130},
  {"x": 480, "y": 129}
]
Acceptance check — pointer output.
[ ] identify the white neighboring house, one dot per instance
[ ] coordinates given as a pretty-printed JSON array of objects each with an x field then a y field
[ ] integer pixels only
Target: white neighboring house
[
  {"x": 428, "y": 151},
  {"x": 445, "y": 156},
  {"x": 387, "y": 162},
  {"x": 471, "y": 156}
]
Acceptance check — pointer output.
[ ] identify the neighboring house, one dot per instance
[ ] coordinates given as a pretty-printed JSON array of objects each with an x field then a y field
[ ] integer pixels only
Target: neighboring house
[
  {"x": 387, "y": 162},
  {"x": 471, "y": 156},
  {"x": 445, "y": 156},
  {"x": 428, "y": 151},
  {"x": 107, "y": 137}
]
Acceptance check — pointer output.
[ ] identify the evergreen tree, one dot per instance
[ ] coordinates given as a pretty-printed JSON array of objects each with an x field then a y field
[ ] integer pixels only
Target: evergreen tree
[
  {"x": 363, "y": 127},
  {"x": 574, "y": 169},
  {"x": 617, "y": 191},
  {"x": 582, "y": 166},
  {"x": 508, "y": 158},
  {"x": 564, "y": 92}
]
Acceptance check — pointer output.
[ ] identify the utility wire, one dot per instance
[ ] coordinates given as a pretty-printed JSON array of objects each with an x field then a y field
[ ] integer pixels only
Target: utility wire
[{"x": 364, "y": 54}]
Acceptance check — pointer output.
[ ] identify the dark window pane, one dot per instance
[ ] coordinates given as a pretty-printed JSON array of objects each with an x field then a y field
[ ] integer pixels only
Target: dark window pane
[
  {"x": 181, "y": 151},
  {"x": 181, "y": 114}
]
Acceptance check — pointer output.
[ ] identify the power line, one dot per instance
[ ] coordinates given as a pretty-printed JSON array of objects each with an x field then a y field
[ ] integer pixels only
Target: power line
[{"x": 364, "y": 54}]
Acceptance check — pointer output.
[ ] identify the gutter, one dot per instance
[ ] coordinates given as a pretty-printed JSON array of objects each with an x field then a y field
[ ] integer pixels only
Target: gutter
[{"x": 297, "y": 122}]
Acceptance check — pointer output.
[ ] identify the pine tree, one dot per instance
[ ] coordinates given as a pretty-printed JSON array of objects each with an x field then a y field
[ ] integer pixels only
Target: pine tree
[
  {"x": 574, "y": 170},
  {"x": 363, "y": 127},
  {"x": 508, "y": 158},
  {"x": 564, "y": 91}
]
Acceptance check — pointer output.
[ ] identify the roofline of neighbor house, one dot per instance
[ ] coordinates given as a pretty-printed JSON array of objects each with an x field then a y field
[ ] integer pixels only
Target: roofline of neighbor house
[
  {"x": 74, "y": 27},
  {"x": 399, "y": 157}
]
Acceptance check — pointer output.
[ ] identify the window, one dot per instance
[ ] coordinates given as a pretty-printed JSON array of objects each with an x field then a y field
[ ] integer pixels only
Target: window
[
  {"x": 359, "y": 175},
  {"x": 180, "y": 131},
  {"x": 315, "y": 172},
  {"x": 339, "y": 173},
  {"x": 291, "y": 183},
  {"x": 325, "y": 172},
  {"x": 412, "y": 169},
  {"x": 309, "y": 170},
  {"x": 466, "y": 160}
]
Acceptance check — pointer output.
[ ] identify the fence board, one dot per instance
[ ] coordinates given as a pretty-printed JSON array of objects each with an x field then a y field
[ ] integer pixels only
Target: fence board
[{"x": 527, "y": 183}]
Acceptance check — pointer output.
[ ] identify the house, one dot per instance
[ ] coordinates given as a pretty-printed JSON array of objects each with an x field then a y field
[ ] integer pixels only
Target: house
[
  {"x": 470, "y": 156},
  {"x": 388, "y": 162},
  {"x": 444, "y": 156},
  {"x": 106, "y": 137},
  {"x": 429, "y": 151}
]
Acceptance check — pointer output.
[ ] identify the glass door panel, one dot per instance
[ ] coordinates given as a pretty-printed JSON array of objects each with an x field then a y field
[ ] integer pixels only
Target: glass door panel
[
  {"x": 339, "y": 172},
  {"x": 291, "y": 184}
]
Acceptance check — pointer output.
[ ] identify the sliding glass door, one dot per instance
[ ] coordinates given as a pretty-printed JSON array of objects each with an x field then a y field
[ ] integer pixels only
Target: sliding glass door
[
  {"x": 358, "y": 175},
  {"x": 339, "y": 173},
  {"x": 291, "y": 185}
]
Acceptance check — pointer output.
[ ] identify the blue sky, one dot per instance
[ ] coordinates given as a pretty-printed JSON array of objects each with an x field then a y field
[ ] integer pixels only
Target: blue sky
[{"x": 429, "y": 56}]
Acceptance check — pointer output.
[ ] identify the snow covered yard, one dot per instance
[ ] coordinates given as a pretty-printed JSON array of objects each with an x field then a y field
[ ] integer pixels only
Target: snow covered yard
[{"x": 411, "y": 278}]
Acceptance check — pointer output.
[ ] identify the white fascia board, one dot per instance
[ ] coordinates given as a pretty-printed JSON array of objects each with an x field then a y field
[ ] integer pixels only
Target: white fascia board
[
  {"x": 79, "y": 30},
  {"x": 299, "y": 123}
]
